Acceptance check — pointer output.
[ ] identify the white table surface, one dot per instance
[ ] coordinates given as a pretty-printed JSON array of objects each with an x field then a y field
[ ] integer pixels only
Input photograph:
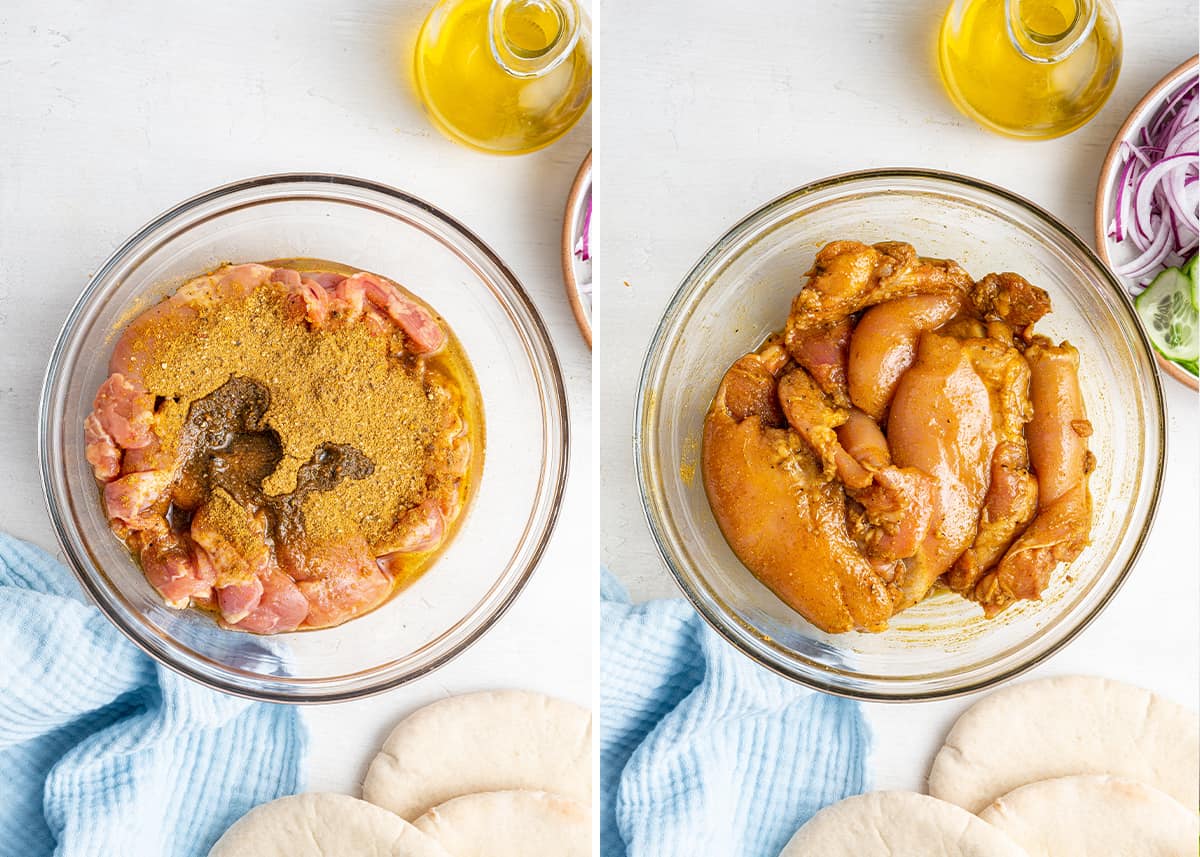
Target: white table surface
[
  {"x": 706, "y": 115},
  {"x": 113, "y": 112}
]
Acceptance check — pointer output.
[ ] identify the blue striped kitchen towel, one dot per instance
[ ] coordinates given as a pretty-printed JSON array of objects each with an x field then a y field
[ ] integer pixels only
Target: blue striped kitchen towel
[
  {"x": 702, "y": 752},
  {"x": 103, "y": 753}
]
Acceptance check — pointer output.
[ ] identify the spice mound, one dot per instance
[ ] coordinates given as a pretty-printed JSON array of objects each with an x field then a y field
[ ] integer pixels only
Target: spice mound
[
  {"x": 285, "y": 445},
  {"x": 906, "y": 427}
]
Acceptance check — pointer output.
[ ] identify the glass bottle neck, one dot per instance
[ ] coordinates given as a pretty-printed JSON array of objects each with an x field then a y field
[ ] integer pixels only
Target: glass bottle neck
[
  {"x": 529, "y": 38},
  {"x": 1047, "y": 31}
]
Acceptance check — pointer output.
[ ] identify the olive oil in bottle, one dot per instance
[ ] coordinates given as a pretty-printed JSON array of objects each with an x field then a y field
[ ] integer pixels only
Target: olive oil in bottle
[
  {"x": 504, "y": 76},
  {"x": 1030, "y": 68}
]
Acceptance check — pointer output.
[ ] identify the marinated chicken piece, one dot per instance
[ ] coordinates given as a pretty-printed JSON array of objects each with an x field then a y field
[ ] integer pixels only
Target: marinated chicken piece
[
  {"x": 124, "y": 410},
  {"x": 424, "y": 333},
  {"x": 458, "y": 461},
  {"x": 824, "y": 353},
  {"x": 781, "y": 516},
  {"x": 788, "y": 525},
  {"x": 230, "y": 283},
  {"x": 101, "y": 451},
  {"x": 898, "y": 505},
  {"x": 1059, "y": 428},
  {"x": 341, "y": 581},
  {"x": 420, "y": 528},
  {"x": 884, "y": 346},
  {"x": 1058, "y": 450},
  {"x": 1010, "y": 298},
  {"x": 810, "y": 412},
  {"x": 849, "y": 276},
  {"x": 897, "y": 502},
  {"x": 1008, "y": 507},
  {"x": 179, "y": 569},
  {"x": 748, "y": 388},
  {"x": 236, "y": 542},
  {"x": 280, "y": 607},
  {"x": 311, "y": 299},
  {"x": 349, "y": 299},
  {"x": 325, "y": 279},
  {"x": 289, "y": 278},
  {"x": 449, "y": 463},
  {"x": 423, "y": 528},
  {"x": 137, "y": 341},
  {"x": 1011, "y": 499},
  {"x": 864, "y": 441},
  {"x": 133, "y": 499},
  {"x": 237, "y": 599},
  {"x": 225, "y": 284},
  {"x": 152, "y": 456},
  {"x": 940, "y": 423}
]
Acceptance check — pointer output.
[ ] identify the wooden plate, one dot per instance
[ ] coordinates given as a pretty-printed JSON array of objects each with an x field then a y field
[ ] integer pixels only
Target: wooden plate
[
  {"x": 1108, "y": 176},
  {"x": 573, "y": 267}
]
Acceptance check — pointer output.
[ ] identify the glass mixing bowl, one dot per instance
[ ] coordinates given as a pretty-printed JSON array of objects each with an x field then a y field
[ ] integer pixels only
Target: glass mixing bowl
[
  {"x": 740, "y": 292},
  {"x": 508, "y": 524}
]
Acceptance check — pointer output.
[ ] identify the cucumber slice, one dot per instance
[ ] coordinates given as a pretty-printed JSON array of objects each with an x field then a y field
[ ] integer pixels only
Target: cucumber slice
[
  {"x": 1194, "y": 274},
  {"x": 1170, "y": 317}
]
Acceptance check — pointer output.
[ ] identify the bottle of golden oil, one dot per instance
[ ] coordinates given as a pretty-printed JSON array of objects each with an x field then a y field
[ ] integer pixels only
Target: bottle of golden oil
[
  {"x": 505, "y": 76},
  {"x": 1030, "y": 68}
]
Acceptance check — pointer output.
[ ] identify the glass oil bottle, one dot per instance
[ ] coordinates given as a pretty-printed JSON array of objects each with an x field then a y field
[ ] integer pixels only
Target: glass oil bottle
[
  {"x": 505, "y": 76},
  {"x": 1030, "y": 68}
]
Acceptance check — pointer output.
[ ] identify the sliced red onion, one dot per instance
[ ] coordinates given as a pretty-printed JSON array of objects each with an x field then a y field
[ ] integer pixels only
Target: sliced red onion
[
  {"x": 582, "y": 248},
  {"x": 1150, "y": 183},
  {"x": 1117, "y": 230},
  {"x": 1152, "y": 259},
  {"x": 1142, "y": 154},
  {"x": 1157, "y": 202},
  {"x": 1165, "y": 113}
]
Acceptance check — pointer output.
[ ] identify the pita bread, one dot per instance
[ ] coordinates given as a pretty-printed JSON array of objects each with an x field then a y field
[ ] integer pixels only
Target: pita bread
[
  {"x": 483, "y": 742},
  {"x": 898, "y": 824},
  {"x": 510, "y": 824},
  {"x": 1058, "y": 727},
  {"x": 323, "y": 825},
  {"x": 1095, "y": 816}
]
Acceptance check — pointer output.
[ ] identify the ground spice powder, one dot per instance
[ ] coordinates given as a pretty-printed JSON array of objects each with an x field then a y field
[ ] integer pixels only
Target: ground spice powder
[{"x": 342, "y": 385}]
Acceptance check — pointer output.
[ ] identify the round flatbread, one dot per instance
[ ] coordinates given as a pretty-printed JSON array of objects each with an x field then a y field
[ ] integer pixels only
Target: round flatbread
[
  {"x": 510, "y": 824},
  {"x": 1095, "y": 816},
  {"x": 890, "y": 824},
  {"x": 323, "y": 825},
  {"x": 483, "y": 742},
  {"x": 1059, "y": 727}
]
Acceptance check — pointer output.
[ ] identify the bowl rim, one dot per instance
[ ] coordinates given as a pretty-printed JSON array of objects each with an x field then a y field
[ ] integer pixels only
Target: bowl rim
[
  {"x": 641, "y": 428},
  {"x": 580, "y": 186},
  {"x": 1108, "y": 174},
  {"x": 554, "y": 388}
]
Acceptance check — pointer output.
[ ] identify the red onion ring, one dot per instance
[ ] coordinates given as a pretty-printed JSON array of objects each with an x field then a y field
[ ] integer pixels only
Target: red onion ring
[{"x": 1157, "y": 203}]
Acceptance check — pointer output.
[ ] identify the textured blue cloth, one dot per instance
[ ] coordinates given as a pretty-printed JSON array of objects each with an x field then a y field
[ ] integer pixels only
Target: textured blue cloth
[
  {"x": 105, "y": 754},
  {"x": 702, "y": 752}
]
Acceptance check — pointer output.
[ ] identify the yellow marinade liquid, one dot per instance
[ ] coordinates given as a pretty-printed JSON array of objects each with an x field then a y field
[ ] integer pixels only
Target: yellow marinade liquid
[
  {"x": 490, "y": 74},
  {"x": 991, "y": 80}
]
